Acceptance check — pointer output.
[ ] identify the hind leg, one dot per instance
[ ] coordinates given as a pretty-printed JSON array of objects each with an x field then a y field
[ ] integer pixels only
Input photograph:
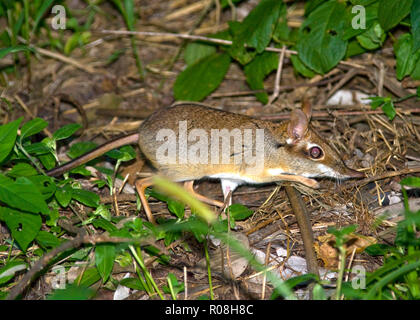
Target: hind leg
[
  {"x": 188, "y": 185},
  {"x": 141, "y": 186}
]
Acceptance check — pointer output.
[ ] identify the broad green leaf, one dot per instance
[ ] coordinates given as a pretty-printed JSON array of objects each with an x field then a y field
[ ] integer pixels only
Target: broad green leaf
[
  {"x": 415, "y": 24},
  {"x": 80, "y": 148},
  {"x": 32, "y": 127},
  {"x": 8, "y": 271},
  {"x": 196, "y": 51},
  {"x": 282, "y": 31},
  {"x": 104, "y": 259},
  {"x": 47, "y": 239},
  {"x": 132, "y": 283},
  {"x": 72, "y": 292},
  {"x": 258, "y": 69},
  {"x": 23, "y": 226},
  {"x": 200, "y": 79},
  {"x": 37, "y": 148},
  {"x": 378, "y": 249},
  {"x": 239, "y": 211},
  {"x": 125, "y": 153},
  {"x": 321, "y": 46},
  {"x": 103, "y": 211},
  {"x": 8, "y": 133},
  {"x": 48, "y": 160},
  {"x": 354, "y": 48},
  {"x": 300, "y": 67},
  {"x": 66, "y": 131},
  {"x": 104, "y": 224},
  {"x": 256, "y": 30},
  {"x": 176, "y": 208},
  {"x": 406, "y": 57},
  {"x": 22, "y": 169},
  {"x": 64, "y": 195},
  {"x": 45, "y": 185},
  {"x": 373, "y": 38},
  {"x": 311, "y": 5},
  {"x": 89, "y": 277},
  {"x": 22, "y": 194},
  {"x": 86, "y": 197},
  {"x": 389, "y": 109},
  {"x": 411, "y": 182},
  {"x": 416, "y": 74},
  {"x": 391, "y": 12},
  {"x": 318, "y": 292}
]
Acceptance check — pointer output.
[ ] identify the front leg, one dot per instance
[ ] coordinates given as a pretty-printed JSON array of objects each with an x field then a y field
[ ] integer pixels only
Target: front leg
[{"x": 294, "y": 178}]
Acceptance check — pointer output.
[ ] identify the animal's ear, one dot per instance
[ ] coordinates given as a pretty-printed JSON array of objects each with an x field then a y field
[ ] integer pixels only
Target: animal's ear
[
  {"x": 307, "y": 108},
  {"x": 298, "y": 125}
]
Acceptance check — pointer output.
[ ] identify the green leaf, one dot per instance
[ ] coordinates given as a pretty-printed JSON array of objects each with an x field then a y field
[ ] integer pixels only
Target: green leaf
[
  {"x": 176, "y": 207},
  {"x": 41, "y": 12},
  {"x": 321, "y": 46},
  {"x": 48, "y": 160},
  {"x": 47, "y": 240},
  {"x": 391, "y": 12},
  {"x": 104, "y": 224},
  {"x": 129, "y": 13},
  {"x": 377, "y": 101},
  {"x": 373, "y": 38},
  {"x": 282, "y": 31},
  {"x": 389, "y": 109},
  {"x": 406, "y": 57},
  {"x": 415, "y": 24},
  {"x": 89, "y": 277},
  {"x": 5, "y": 51},
  {"x": 132, "y": 283},
  {"x": 103, "y": 211},
  {"x": 22, "y": 169},
  {"x": 318, "y": 292},
  {"x": 354, "y": 48},
  {"x": 64, "y": 195},
  {"x": 23, "y": 226},
  {"x": 239, "y": 211},
  {"x": 200, "y": 79},
  {"x": 8, "y": 133},
  {"x": 411, "y": 182},
  {"x": 86, "y": 197},
  {"x": 38, "y": 148},
  {"x": 256, "y": 30},
  {"x": 300, "y": 67},
  {"x": 66, "y": 131},
  {"x": 104, "y": 259},
  {"x": 125, "y": 153},
  {"x": 45, "y": 185},
  {"x": 311, "y": 5},
  {"x": 22, "y": 194},
  {"x": 196, "y": 51},
  {"x": 378, "y": 249},
  {"x": 32, "y": 127},
  {"x": 80, "y": 148},
  {"x": 8, "y": 271},
  {"x": 258, "y": 69},
  {"x": 71, "y": 292}
]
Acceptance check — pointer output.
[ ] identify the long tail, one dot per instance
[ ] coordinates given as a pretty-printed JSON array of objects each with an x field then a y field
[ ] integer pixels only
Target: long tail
[{"x": 116, "y": 143}]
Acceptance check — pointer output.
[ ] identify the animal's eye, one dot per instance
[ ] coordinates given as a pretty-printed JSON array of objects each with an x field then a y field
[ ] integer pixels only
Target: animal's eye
[{"x": 315, "y": 152}]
